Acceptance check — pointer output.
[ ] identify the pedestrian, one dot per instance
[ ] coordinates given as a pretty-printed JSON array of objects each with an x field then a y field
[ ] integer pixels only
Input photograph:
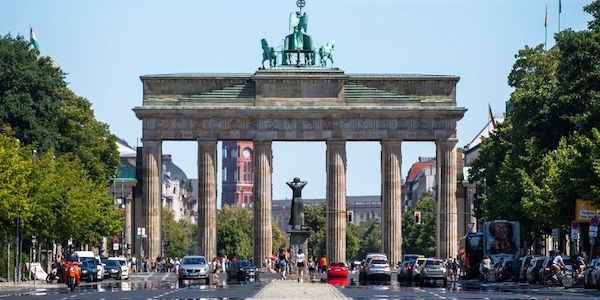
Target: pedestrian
[
  {"x": 215, "y": 270},
  {"x": 311, "y": 268},
  {"x": 301, "y": 264},
  {"x": 323, "y": 264},
  {"x": 281, "y": 264}
]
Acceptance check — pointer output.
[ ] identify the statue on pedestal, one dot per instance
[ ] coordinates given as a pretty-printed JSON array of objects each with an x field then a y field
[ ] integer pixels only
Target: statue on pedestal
[{"x": 297, "y": 214}]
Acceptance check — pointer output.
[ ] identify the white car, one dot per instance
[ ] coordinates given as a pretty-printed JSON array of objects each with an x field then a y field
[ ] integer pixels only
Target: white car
[
  {"x": 97, "y": 261},
  {"x": 124, "y": 266}
]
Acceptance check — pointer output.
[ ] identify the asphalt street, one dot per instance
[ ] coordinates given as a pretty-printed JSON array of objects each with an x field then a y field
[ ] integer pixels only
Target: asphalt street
[{"x": 165, "y": 286}]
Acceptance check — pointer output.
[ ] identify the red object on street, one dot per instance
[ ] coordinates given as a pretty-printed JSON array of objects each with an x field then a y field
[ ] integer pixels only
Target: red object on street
[{"x": 337, "y": 269}]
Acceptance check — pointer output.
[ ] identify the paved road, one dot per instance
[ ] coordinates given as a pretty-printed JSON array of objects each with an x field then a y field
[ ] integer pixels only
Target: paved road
[{"x": 165, "y": 286}]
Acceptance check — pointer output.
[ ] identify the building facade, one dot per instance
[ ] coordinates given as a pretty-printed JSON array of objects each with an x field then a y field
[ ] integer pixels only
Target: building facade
[{"x": 238, "y": 173}]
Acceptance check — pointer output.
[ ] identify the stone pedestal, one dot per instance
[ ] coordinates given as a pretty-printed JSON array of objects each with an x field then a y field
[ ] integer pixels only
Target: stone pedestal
[{"x": 299, "y": 240}]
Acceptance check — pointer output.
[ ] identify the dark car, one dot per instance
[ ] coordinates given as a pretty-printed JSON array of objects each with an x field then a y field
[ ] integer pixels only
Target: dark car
[
  {"x": 89, "y": 271},
  {"x": 524, "y": 264},
  {"x": 405, "y": 270},
  {"x": 112, "y": 269},
  {"x": 242, "y": 270},
  {"x": 533, "y": 272},
  {"x": 92, "y": 264}
]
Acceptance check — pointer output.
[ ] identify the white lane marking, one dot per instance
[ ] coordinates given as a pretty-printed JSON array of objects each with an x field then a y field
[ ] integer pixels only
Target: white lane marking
[{"x": 165, "y": 277}]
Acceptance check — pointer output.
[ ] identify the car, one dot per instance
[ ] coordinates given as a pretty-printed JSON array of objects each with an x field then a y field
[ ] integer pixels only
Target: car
[
  {"x": 337, "y": 269},
  {"x": 524, "y": 263},
  {"x": 416, "y": 270},
  {"x": 433, "y": 270},
  {"x": 124, "y": 266},
  {"x": 193, "y": 267},
  {"x": 534, "y": 269},
  {"x": 113, "y": 269},
  {"x": 377, "y": 268},
  {"x": 89, "y": 271},
  {"x": 92, "y": 262},
  {"x": 88, "y": 255},
  {"x": 412, "y": 257},
  {"x": 591, "y": 276},
  {"x": 363, "y": 267},
  {"x": 242, "y": 270},
  {"x": 405, "y": 270}
]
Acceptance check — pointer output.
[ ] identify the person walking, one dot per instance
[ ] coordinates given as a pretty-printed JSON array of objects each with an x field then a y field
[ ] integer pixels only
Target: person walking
[{"x": 301, "y": 264}]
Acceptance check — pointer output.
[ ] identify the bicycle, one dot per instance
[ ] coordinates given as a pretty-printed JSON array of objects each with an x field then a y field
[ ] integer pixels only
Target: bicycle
[{"x": 563, "y": 278}]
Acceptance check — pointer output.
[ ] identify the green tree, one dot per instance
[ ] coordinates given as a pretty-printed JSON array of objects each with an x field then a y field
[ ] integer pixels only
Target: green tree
[
  {"x": 234, "y": 232},
  {"x": 420, "y": 238},
  {"x": 179, "y": 242},
  {"x": 370, "y": 238},
  {"x": 314, "y": 220},
  {"x": 280, "y": 239}
]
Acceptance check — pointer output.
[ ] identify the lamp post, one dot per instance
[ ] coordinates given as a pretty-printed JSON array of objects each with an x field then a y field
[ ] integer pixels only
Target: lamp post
[{"x": 34, "y": 256}]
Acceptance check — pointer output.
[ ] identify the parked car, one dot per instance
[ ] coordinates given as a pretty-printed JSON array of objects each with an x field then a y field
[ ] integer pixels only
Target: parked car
[
  {"x": 337, "y": 269},
  {"x": 405, "y": 270},
  {"x": 524, "y": 264},
  {"x": 193, "y": 267},
  {"x": 89, "y": 271},
  {"x": 504, "y": 271},
  {"x": 112, "y": 268},
  {"x": 533, "y": 272},
  {"x": 242, "y": 270},
  {"x": 591, "y": 276},
  {"x": 377, "y": 267},
  {"x": 124, "y": 266},
  {"x": 433, "y": 270}
]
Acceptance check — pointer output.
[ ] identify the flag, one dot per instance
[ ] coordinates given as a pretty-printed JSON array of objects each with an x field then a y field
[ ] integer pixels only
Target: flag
[
  {"x": 559, "y": 6},
  {"x": 491, "y": 117},
  {"x": 33, "y": 40},
  {"x": 546, "y": 17}
]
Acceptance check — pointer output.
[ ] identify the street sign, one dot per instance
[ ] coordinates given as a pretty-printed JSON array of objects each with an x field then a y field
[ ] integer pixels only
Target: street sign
[
  {"x": 593, "y": 231},
  {"x": 574, "y": 233},
  {"x": 594, "y": 221},
  {"x": 115, "y": 246},
  {"x": 555, "y": 233},
  {"x": 70, "y": 242},
  {"x": 470, "y": 227},
  {"x": 574, "y": 224}
]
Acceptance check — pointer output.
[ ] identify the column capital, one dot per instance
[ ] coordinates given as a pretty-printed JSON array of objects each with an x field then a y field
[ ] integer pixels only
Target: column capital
[{"x": 451, "y": 142}]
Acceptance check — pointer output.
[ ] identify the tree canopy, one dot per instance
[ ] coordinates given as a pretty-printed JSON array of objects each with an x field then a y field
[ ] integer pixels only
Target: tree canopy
[{"x": 545, "y": 154}]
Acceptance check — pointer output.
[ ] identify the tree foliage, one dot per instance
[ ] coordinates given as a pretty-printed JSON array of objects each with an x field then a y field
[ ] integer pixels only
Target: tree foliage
[
  {"x": 420, "y": 238},
  {"x": 179, "y": 242},
  {"x": 545, "y": 154}
]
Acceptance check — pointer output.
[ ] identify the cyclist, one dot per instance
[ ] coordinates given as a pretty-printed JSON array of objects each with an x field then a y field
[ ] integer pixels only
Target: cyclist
[{"x": 557, "y": 264}]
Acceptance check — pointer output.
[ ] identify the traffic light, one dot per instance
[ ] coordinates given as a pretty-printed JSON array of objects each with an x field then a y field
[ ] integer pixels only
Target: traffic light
[
  {"x": 349, "y": 216},
  {"x": 418, "y": 217}
]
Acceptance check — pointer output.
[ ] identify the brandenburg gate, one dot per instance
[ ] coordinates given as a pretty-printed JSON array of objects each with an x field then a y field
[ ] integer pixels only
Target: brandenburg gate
[{"x": 301, "y": 102}]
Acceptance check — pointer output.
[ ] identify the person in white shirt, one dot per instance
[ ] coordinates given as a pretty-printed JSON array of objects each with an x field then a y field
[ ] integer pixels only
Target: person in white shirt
[{"x": 301, "y": 264}]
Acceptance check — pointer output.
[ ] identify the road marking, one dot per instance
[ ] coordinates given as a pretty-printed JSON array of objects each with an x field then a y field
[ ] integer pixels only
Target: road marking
[{"x": 165, "y": 277}]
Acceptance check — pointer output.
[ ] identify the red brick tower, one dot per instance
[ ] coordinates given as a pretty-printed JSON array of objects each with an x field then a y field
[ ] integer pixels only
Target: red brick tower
[{"x": 238, "y": 173}]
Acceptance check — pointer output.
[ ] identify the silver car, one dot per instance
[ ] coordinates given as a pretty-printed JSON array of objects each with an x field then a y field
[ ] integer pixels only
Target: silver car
[
  {"x": 433, "y": 270},
  {"x": 193, "y": 267},
  {"x": 378, "y": 268}
]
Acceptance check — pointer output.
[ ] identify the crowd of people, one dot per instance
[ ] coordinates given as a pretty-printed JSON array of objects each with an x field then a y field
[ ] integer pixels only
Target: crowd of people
[{"x": 286, "y": 262}]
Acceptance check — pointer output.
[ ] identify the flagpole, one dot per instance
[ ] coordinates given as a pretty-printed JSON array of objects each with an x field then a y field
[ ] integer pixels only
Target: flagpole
[
  {"x": 546, "y": 29},
  {"x": 559, "y": 11}
]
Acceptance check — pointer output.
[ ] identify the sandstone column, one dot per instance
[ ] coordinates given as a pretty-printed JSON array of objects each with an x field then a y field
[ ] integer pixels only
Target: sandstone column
[
  {"x": 336, "y": 201},
  {"x": 128, "y": 219},
  {"x": 207, "y": 198},
  {"x": 263, "y": 170},
  {"x": 152, "y": 160},
  {"x": 391, "y": 204},
  {"x": 446, "y": 233}
]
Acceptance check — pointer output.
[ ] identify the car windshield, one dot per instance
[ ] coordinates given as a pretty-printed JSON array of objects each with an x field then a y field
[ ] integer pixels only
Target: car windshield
[
  {"x": 433, "y": 263},
  {"x": 338, "y": 264},
  {"x": 112, "y": 263},
  {"x": 89, "y": 260},
  {"x": 379, "y": 262},
  {"x": 121, "y": 262},
  {"x": 244, "y": 264},
  {"x": 420, "y": 262},
  {"x": 193, "y": 261}
]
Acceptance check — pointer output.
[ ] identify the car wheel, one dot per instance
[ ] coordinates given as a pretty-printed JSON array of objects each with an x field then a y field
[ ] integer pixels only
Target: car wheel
[
  {"x": 445, "y": 281},
  {"x": 207, "y": 281}
]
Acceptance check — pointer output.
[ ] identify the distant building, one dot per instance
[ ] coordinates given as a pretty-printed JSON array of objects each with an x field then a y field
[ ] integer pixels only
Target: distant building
[
  {"x": 177, "y": 190},
  {"x": 421, "y": 178},
  {"x": 363, "y": 208},
  {"x": 238, "y": 173}
]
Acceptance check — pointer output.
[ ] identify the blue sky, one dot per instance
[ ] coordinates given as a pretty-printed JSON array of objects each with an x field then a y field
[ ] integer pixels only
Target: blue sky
[{"x": 105, "y": 46}]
